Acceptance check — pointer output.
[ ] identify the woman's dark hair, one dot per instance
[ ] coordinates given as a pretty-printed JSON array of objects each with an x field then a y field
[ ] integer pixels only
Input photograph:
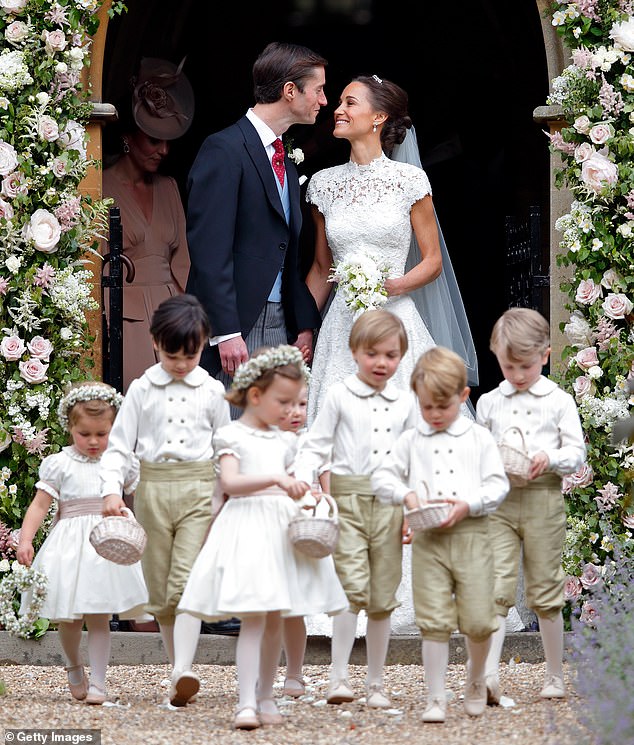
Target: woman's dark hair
[
  {"x": 391, "y": 99},
  {"x": 180, "y": 323},
  {"x": 281, "y": 63}
]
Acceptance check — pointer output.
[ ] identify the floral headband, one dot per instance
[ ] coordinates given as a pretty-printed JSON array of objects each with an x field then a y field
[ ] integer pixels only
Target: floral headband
[
  {"x": 248, "y": 372},
  {"x": 83, "y": 393}
]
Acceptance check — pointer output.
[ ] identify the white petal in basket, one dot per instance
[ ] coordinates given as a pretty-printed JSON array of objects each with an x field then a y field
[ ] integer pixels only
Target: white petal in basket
[
  {"x": 316, "y": 536},
  {"x": 119, "y": 539}
]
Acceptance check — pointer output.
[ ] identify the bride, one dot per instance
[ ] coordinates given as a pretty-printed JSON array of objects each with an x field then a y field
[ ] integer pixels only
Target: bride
[{"x": 383, "y": 209}]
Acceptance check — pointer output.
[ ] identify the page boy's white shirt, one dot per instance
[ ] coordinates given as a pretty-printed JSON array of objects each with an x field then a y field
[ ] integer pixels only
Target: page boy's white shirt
[
  {"x": 547, "y": 417},
  {"x": 164, "y": 420},
  {"x": 461, "y": 461},
  {"x": 355, "y": 428}
]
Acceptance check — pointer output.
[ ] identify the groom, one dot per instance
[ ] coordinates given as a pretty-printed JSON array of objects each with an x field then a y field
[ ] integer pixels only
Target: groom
[{"x": 244, "y": 218}]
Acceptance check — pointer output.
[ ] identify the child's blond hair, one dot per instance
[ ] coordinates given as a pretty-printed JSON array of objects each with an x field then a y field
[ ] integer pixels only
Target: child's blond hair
[
  {"x": 442, "y": 372},
  {"x": 373, "y": 326},
  {"x": 520, "y": 333}
]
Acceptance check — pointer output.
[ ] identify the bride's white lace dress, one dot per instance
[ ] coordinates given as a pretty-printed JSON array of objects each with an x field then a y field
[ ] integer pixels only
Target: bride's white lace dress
[{"x": 367, "y": 208}]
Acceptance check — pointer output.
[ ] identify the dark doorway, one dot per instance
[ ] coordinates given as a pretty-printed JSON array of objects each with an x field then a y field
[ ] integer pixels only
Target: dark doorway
[{"x": 474, "y": 71}]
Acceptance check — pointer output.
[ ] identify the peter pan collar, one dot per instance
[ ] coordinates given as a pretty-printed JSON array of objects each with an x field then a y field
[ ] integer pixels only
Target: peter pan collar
[
  {"x": 256, "y": 432},
  {"x": 458, "y": 427},
  {"x": 354, "y": 384},
  {"x": 159, "y": 376},
  {"x": 74, "y": 454},
  {"x": 542, "y": 387}
]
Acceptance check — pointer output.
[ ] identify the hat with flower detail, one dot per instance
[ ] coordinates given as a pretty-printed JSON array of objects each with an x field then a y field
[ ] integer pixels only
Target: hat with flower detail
[{"x": 162, "y": 99}]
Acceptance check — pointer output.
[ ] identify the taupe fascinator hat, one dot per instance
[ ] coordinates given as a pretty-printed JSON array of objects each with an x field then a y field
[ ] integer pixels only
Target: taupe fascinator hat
[{"x": 162, "y": 99}]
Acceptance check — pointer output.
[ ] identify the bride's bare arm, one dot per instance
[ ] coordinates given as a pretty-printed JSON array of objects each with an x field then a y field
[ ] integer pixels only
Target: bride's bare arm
[
  {"x": 317, "y": 277},
  {"x": 424, "y": 225}
]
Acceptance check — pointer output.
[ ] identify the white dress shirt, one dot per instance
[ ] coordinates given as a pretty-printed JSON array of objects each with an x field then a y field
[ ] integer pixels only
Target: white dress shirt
[
  {"x": 163, "y": 420},
  {"x": 461, "y": 461},
  {"x": 355, "y": 428},
  {"x": 547, "y": 417}
]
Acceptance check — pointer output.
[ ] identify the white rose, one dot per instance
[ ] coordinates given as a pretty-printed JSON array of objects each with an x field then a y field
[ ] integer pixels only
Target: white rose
[
  {"x": 44, "y": 230},
  {"x": 611, "y": 278},
  {"x": 4, "y": 102},
  {"x": 601, "y": 133},
  {"x": 617, "y": 306},
  {"x": 623, "y": 34},
  {"x": 8, "y": 158},
  {"x": 582, "y": 124},
  {"x": 588, "y": 292},
  {"x": 54, "y": 41},
  {"x": 72, "y": 137},
  {"x": 47, "y": 128},
  {"x": 4, "y": 565},
  {"x": 75, "y": 58},
  {"x": 12, "y": 348},
  {"x": 14, "y": 7},
  {"x": 595, "y": 372},
  {"x": 33, "y": 371},
  {"x": 61, "y": 68},
  {"x": 578, "y": 331},
  {"x": 65, "y": 333},
  {"x": 16, "y": 32},
  {"x": 40, "y": 348},
  {"x": 583, "y": 152},
  {"x": 42, "y": 98},
  {"x": 13, "y": 264},
  {"x": 598, "y": 172}
]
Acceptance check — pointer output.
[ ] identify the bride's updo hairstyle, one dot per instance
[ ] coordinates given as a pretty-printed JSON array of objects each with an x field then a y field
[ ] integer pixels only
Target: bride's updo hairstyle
[{"x": 392, "y": 100}]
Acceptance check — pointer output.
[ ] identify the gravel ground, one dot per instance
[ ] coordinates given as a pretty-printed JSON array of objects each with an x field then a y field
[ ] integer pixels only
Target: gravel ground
[{"x": 37, "y": 697}]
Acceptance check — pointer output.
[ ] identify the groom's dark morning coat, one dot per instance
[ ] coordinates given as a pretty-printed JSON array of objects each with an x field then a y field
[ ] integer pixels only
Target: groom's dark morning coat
[{"x": 238, "y": 237}]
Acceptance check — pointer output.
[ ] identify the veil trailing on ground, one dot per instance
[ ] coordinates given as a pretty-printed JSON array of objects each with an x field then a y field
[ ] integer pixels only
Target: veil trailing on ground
[{"x": 439, "y": 302}]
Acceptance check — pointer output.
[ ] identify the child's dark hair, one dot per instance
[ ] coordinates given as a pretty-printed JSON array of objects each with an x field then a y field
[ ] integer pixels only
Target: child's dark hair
[
  {"x": 293, "y": 371},
  {"x": 180, "y": 323}
]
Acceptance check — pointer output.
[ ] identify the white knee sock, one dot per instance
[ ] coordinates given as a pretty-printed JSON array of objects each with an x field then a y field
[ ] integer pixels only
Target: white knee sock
[
  {"x": 167, "y": 635},
  {"x": 98, "y": 626},
  {"x": 477, "y": 655},
  {"x": 248, "y": 659},
  {"x": 492, "y": 665},
  {"x": 435, "y": 661},
  {"x": 270, "y": 651},
  {"x": 552, "y": 631},
  {"x": 377, "y": 639},
  {"x": 294, "y": 643},
  {"x": 69, "y": 635},
  {"x": 186, "y": 635},
  {"x": 344, "y": 627}
]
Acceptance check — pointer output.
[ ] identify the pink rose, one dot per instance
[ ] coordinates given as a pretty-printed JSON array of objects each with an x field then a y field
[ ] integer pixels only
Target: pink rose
[
  {"x": 14, "y": 7},
  {"x": 44, "y": 230},
  {"x": 611, "y": 278},
  {"x": 588, "y": 292},
  {"x": 6, "y": 210},
  {"x": 54, "y": 41},
  {"x": 601, "y": 133},
  {"x": 582, "y": 124},
  {"x": 598, "y": 172},
  {"x": 8, "y": 158},
  {"x": 47, "y": 128},
  {"x": 583, "y": 152},
  {"x": 12, "y": 348},
  {"x": 58, "y": 167},
  {"x": 13, "y": 184},
  {"x": 591, "y": 577},
  {"x": 33, "y": 371},
  {"x": 617, "y": 306},
  {"x": 628, "y": 521},
  {"x": 583, "y": 477},
  {"x": 40, "y": 348},
  {"x": 587, "y": 358},
  {"x": 582, "y": 386},
  {"x": 572, "y": 588},
  {"x": 589, "y": 613},
  {"x": 16, "y": 32}
]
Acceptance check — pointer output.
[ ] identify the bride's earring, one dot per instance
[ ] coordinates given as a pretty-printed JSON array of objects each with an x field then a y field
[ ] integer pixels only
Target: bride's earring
[
  {"x": 126, "y": 146},
  {"x": 374, "y": 128}
]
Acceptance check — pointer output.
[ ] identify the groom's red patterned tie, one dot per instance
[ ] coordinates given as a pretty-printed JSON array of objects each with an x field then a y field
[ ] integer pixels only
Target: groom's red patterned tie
[{"x": 278, "y": 160}]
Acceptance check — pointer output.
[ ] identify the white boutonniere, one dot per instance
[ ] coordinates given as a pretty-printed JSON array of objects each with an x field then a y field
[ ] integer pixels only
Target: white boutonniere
[{"x": 296, "y": 154}]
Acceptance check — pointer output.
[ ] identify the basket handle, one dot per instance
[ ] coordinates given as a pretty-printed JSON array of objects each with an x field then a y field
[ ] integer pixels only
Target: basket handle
[
  {"x": 127, "y": 512},
  {"x": 332, "y": 504},
  {"x": 514, "y": 430}
]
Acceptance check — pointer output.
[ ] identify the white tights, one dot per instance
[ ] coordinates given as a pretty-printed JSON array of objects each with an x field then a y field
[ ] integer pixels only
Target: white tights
[
  {"x": 186, "y": 634},
  {"x": 377, "y": 640},
  {"x": 69, "y": 634},
  {"x": 257, "y": 658},
  {"x": 294, "y": 643}
]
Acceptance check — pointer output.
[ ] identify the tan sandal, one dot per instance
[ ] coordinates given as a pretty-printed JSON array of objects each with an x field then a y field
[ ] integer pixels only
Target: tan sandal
[{"x": 78, "y": 691}]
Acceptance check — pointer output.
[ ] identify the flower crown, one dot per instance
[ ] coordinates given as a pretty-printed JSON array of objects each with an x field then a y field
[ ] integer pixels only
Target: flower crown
[
  {"x": 82, "y": 393},
  {"x": 248, "y": 372}
]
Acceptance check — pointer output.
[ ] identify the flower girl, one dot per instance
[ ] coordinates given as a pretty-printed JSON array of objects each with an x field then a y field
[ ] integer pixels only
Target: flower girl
[
  {"x": 82, "y": 586},
  {"x": 248, "y": 567}
]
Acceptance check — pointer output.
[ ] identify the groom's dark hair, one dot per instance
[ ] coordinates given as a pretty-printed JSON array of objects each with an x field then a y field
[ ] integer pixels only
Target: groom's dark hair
[{"x": 281, "y": 63}]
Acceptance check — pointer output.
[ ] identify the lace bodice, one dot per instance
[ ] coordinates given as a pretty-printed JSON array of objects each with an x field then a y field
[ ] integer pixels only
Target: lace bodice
[{"x": 367, "y": 207}]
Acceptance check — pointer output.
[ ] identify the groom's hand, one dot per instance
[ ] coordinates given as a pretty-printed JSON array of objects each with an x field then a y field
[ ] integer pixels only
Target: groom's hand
[
  {"x": 233, "y": 352},
  {"x": 304, "y": 343}
]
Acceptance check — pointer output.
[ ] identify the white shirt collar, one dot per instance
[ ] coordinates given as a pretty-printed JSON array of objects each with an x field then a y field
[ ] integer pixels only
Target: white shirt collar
[
  {"x": 458, "y": 427},
  {"x": 265, "y": 133},
  {"x": 159, "y": 376},
  {"x": 541, "y": 387},
  {"x": 354, "y": 384}
]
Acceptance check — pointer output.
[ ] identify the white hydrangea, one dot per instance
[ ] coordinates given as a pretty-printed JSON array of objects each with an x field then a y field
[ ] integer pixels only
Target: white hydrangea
[{"x": 14, "y": 72}]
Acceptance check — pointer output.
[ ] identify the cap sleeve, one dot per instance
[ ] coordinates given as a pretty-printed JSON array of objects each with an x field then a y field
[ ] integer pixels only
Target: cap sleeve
[
  {"x": 226, "y": 442},
  {"x": 315, "y": 193},
  {"x": 417, "y": 184},
  {"x": 50, "y": 475}
]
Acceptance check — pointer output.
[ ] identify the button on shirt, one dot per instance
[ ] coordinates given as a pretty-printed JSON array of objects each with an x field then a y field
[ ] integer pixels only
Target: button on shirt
[
  {"x": 547, "y": 417},
  {"x": 355, "y": 428},
  {"x": 460, "y": 462},
  {"x": 164, "y": 420}
]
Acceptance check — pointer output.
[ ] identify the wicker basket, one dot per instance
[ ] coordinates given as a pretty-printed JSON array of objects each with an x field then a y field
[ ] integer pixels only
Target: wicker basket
[
  {"x": 516, "y": 461},
  {"x": 316, "y": 536},
  {"x": 428, "y": 514},
  {"x": 119, "y": 539}
]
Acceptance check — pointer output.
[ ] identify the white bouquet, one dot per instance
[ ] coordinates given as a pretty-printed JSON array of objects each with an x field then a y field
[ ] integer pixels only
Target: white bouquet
[{"x": 361, "y": 279}]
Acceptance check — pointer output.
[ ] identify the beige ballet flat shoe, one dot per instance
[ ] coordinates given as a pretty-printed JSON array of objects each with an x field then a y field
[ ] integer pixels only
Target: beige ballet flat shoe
[
  {"x": 475, "y": 697},
  {"x": 435, "y": 711},
  {"x": 78, "y": 691},
  {"x": 553, "y": 687},
  {"x": 340, "y": 692},
  {"x": 184, "y": 687},
  {"x": 376, "y": 697},
  {"x": 294, "y": 687},
  {"x": 493, "y": 690},
  {"x": 96, "y": 696},
  {"x": 269, "y": 717},
  {"x": 246, "y": 718}
]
